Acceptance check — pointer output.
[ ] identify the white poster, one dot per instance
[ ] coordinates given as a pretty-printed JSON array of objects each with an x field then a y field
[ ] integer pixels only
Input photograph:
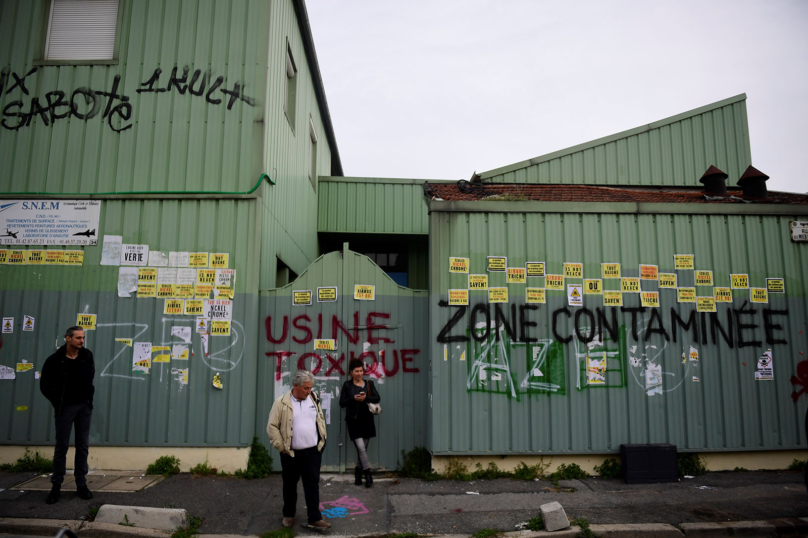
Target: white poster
[
  {"x": 8, "y": 325},
  {"x": 575, "y": 294},
  {"x": 325, "y": 403},
  {"x": 6, "y": 372},
  {"x": 179, "y": 352},
  {"x": 178, "y": 259},
  {"x": 204, "y": 338},
  {"x": 202, "y": 325},
  {"x": 186, "y": 276},
  {"x": 49, "y": 222},
  {"x": 765, "y": 367},
  {"x": 225, "y": 277},
  {"x": 653, "y": 379},
  {"x": 135, "y": 255},
  {"x": 141, "y": 359},
  {"x": 219, "y": 309},
  {"x": 28, "y": 324},
  {"x": 166, "y": 276},
  {"x": 111, "y": 251},
  {"x": 183, "y": 333},
  {"x": 158, "y": 259},
  {"x": 127, "y": 281}
]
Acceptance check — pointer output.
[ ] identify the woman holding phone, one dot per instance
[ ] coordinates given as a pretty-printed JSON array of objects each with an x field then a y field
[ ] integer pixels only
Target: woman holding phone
[{"x": 356, "y": 394}]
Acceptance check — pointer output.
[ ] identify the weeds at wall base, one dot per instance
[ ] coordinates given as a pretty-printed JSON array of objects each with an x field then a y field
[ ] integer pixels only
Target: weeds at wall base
[{"x": 29, "y": 462}]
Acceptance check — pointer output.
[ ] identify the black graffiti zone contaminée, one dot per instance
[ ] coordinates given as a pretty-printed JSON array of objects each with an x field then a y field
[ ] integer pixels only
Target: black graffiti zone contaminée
[
  {"x": 85, "y": 103},
  {"x": 737, "y": 329}
]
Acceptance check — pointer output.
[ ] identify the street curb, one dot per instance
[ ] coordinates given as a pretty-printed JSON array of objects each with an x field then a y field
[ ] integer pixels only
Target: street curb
[
  {"x": 19, "y": 525},
  {"x": 102, "y": 530},
  {"x": 728, "y": 528},
  {"x": 637, "y": 530}
]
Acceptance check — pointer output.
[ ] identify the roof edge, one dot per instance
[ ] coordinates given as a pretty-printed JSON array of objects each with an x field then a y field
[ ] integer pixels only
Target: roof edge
[
  {"x": 382, "y": 180},
  {"x": 302, "y": 15},
  {"x": 611, "y": 138}
]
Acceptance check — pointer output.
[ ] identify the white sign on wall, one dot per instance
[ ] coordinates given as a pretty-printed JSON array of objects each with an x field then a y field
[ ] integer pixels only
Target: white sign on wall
[{"x": 49, "y": 222}]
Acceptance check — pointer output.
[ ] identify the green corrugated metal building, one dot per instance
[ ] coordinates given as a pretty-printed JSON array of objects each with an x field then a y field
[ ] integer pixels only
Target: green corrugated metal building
[{"x": 537, "y": 310}]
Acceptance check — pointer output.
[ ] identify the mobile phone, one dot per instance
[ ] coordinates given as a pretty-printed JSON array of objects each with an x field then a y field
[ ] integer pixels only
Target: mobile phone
[{"x": 362, "y": 392}]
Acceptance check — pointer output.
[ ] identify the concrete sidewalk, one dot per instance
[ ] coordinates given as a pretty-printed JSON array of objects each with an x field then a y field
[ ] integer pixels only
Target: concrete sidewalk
[{"x": 252, "y": 507}]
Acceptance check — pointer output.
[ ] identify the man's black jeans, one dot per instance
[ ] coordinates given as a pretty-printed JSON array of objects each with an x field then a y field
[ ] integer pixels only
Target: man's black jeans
[
  {"x": 78, "y": 414},
  {"x": 305, "y": 465}
]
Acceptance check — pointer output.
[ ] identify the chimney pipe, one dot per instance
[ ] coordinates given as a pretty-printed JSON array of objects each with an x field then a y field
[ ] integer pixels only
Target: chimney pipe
[
  {"x": 715, "y": 181},
  {"x": 753, "y": 183}
]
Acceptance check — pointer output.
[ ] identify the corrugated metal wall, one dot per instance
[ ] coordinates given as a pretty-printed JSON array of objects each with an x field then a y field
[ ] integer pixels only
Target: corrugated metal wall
[
  {"x": 290, "y": 220},
  {"x": 713, "y": 403},
  {"x": 152, "y": 409},
  {"x": 362, "y": 205},
  {"x": 175, "y": 140},
  {"x": 672, "y": 151},
  {"x": 288, "y": 341}
]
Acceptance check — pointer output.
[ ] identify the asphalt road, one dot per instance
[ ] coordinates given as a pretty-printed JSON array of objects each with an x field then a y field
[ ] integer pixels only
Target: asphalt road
[{"x": 231, "y": 505}]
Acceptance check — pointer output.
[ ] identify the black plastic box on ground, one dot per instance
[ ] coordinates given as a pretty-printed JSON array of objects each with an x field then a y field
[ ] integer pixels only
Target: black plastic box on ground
[{"x": 644, "y": 464}]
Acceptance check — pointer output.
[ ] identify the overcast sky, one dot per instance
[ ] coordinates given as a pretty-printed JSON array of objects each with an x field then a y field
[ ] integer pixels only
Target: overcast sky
[{"x": 438, "y": 89}]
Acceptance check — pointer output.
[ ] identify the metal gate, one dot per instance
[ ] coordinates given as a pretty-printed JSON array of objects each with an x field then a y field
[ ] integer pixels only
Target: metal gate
[{"x": 345, "y": 297}]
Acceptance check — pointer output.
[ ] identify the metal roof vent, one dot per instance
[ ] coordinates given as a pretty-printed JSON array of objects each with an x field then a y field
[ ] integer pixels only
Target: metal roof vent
[
  {"x": 715, "y": 181},
  {"x": 753, "y": 183}
]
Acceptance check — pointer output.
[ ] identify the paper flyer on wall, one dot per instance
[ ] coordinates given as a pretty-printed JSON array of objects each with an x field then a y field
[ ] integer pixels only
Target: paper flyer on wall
[
  {"x": 325, "y": 403},
  {"x": 8, "y": 325},
  {"x": 201, "y": 325},
  {"x": 141, "y": 357},
  {"x": 186, "y": 276},
  {"x": 217, "y": 381},
  {"x": 204, "y": 338},
  {"x": 765, "y": 367},
  {"x": 137, "y": 255},
  {"x": 7, "y": 372},
  {"x": 28, "y": 324},
  {"x": 180, "y": 375},
  {"x": 183, "y": 333},
  {"x": 653, "y": 379},
  {"x": 49, "y": 222},
  {"x": 596, "y": 369},
  {"x": 158, "y": 259},
  {"x": 111, "y": 251},
  {"x": 178, "y": 259},
  {"x": 179, "y": 352},
  {"x": 127, "y": 281}
]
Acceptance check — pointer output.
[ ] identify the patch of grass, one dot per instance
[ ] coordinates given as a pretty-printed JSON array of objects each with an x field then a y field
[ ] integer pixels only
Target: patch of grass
[
  {"x": 740, "y": 470},
  {"x": 191, "y": 529},
  {"x": 29, "y": 462},
  {"x": 797, "y": 465},
  {"x": 486, "y": 533},
  {"x": 164, "y": 465},
  {"x": 92, "y": 512},
  {"x": 259, "y": 464},
  {"x": 418, "y": 464},
  {"x": 536, "y": 523},
  {"x": 585, "y": 531},
  {"x": 126, "y": 522},
  {"x": 204, "y": 469},
  {"x": 524, "y": 471},
  {"x": 610, "y": 468},
  {"x": 690, "y": 464},
  {"x": 572, "y": 471},
  {"x": 284, "y": 532}
]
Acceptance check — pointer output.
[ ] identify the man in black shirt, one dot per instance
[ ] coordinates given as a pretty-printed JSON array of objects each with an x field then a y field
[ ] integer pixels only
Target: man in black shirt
[{"x": 67, "y": 381}]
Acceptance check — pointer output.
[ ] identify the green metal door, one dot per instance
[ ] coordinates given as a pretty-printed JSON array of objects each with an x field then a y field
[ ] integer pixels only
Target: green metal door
[{"x": 386, "y": 328}]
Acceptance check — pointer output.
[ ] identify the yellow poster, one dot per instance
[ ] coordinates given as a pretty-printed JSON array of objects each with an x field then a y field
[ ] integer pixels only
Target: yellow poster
[
  {"x": 16, "y": 257},
  {"x": 194, "y": 307},
  {"x": 573, "y": 270},
  {"x": 86, "y": 321},
  {"x": 219, "y": 261},
  {"x": 198, "y": 260},
  {"x": 610, "y": 270},
  {"x": 4, "y": 256},
  {"x": 593, "y": 286},
  {"x": 686, "y": 295},
  {"x": 147, "y": 274},
  {"x": 301, "y": 297},
  {"x": 759, "y": 295},
  {"x": 458, "y": 297},
  {"x": 683, "y": 261},
  {"x": 54, "y": 257},
  {"x": 648, "y": 272},
  {"x": 327, "y": 294},
  {"x": 220, "y": 328},
  {"x": 364, "y": 292},
  {"x": 516, "y": 275},
  {"x": 165, "y": 291},
  {"x": 36, "y": 257},
  {"x": 497, "y": 295},
  {"x": 650, "y": 299},
  {"x": 705, "y": 304},
  {"x": 739, "y": 282},
  {"x": 163, "y": 353},
  {"x": 327, "y": 345},
  {"x": 173, "y": 307},
  {"x": 667, "y": 280},
  {"x": 24, "y": 366},
  {"x": 146, "y": 289},
  {"x": 630, "y": 285},
  {"x": 722, "y": 295},
  {"x": 775, "y": 285},
  {"x": 74, "y": 257},
  {"x": 535, "y": 295},
  {"x": 125, "y": 341},
  {"x": 184, "y": 291},
  {"x": 612, "y": 298},
  {"x": 497, "y": 263},
  {"x": 478, "y": 282},
  {"x": 704, "y": 278},
  {"x": 203, "y": 291},
  {"x": 554, "y": 282},
  {"x": 225, "y": 292},
  {"x": 534, "y": 268},
  {"x": 206, "y": 276},
  {"x": 458, "y": 265}
]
